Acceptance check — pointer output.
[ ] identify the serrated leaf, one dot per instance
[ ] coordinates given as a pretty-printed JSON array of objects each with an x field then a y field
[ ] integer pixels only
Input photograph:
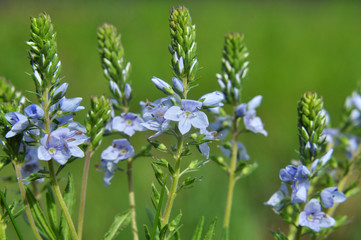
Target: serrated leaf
[
  {"x": 69, "y": 198},
  {"x": 51, "y": 208},
  {"x": 211, "y": 230},
  {"x": 38, "y": 215},
  {"x": 198, "y": 232},
  {"x": 121, "y": 221}
]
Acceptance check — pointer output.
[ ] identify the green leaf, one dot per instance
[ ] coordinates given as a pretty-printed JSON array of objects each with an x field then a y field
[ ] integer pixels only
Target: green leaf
[
  {"x": 198, "y": 232},
  {"x": 38, "y": 215},
  {"x": 159, "y": 208},
  {"x": 211, "y": 230},
  {"x": 175, "y": 222},
  {"x": 51, "y": 208},
  {"x": 69, "y": 198},
  {"x": 120, "y": 222},
  {"x": 146, "y": 232},
  {"x": 279, "y": 236},
  {"x": 12, "y": 219}
]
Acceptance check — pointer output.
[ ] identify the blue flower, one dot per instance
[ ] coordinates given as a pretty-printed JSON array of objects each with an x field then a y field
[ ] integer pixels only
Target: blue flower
[
  {"x": 18, "y": 121},
  {"x": 127, "y": 91},
  {"x": 31, "y": 164},
  {"x": 187, "y": 116},
  {"x": 153, "y": 114},
  {"x": 61, "y": 145},
  {"x": 298, "y": 176},
  {"x": 120, "y": 149},
  {"x": 109, "y": 169},
  {"x": 276, "y": 200},
  {"x": 162, "y": 85},
  {"x": 203, "y": 147},
  {"x": 213, "y": 99},
  {"x": 222, "y": 126},
  {"x": 251, "y": 121},
  {"x": 323, "y": 160},
  {"x": 314, "y": 218},
  {"x": 128, "y": 123},
  {"x": 34, "y": 111},
  {"x": 67, "y": 105},
  {"x": 60, "y": 91},
  {"x": 331, "y": 195},
  {"x": 177, "y": 85}
]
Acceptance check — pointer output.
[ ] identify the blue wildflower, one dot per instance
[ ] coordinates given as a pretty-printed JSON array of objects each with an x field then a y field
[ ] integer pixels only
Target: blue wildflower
[
  {"x": 276, "y": 200},
  {"x": 155, "y": 120},
  {"x": 203, "y": 147},
  {"x": 177, "y": 85},
  {"x": 61, "y": 145},
  {"x": 331, "y": 195},
  {"x": 31, "y": 164},
  {"x": 298, "y": 176},
  {"x": 187, "y": 116},
  {"x": 323, "y": 160},
  {"x": 18, "y": 121},
  {"x": 60, "y": 91},
  {"x": 128, "y": 123},
  {"x": 34, "y": 111},
  {"x": 162, "y": 85},
  {"x": 222, "y": 126},
  {"x": 120, "y": 149},
  {"x": 314, "y": 218},
  {"x": 109, "y": 169},
  {"x": 213, "y": 99},
  {"x": 127, "y": 91}
]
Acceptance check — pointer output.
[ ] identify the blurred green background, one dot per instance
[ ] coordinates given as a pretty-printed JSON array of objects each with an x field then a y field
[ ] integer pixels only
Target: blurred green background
[{"x": 295, "y": 46}]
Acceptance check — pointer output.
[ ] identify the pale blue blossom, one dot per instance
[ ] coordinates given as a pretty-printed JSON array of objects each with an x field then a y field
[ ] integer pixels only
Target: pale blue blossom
[
  {"x": 331, "y": 195},
  {"x": 277, "y": 199},
  {"x": 314, "y": 218},
  {"x": 18, "y": 121},
  {"x": 128, "y": 123}
]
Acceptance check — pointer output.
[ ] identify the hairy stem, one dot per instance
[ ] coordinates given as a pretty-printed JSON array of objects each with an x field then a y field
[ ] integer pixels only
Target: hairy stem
[
  {"x": 88, "y": 155},
  {"x": 23, "y": 195},
  {"x": 174, "y": 187},
  {"x": 131, "y": 198},
  {"x": 232, "y": 179}
]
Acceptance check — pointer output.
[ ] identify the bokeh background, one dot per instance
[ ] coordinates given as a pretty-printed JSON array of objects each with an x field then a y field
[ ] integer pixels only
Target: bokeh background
[{"x": 295, "y": 46}]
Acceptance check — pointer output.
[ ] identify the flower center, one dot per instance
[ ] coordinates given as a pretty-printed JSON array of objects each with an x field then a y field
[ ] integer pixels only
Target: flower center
[
  {"x": 52, "y": 151},
  {"x": 187, "y": 113},
  {"x": 129, "y": 122}
]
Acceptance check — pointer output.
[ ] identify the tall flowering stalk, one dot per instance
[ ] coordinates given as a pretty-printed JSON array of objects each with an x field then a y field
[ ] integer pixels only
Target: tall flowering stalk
[
  {"x": 316, "y": 180},
  {"x": 117, "y": 72},
  {"x": 231, "y": 80}
]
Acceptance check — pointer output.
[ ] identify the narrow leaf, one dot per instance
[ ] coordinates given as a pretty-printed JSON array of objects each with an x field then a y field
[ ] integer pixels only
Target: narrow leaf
[
  {"x": 198, "y": 232},
  {"x": 12, "y": 219},
  {"x": 120, "y": 222},
  {"x": 159, "y": 208},
  {"x": 211, "y": 230},
  {"x": 38, "y": 215},
  {"x": 69, "y": 198},
  {"x": 51, "y": 208}
]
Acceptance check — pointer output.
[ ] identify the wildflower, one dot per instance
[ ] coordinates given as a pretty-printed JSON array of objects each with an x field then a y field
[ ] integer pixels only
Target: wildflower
[
  {"x": 18, "y": 121},
  {"x": 213, "y": 99},
  {"x": 34, "y": 111},
  {"x": 314, "y": 218},
  {"x": 298, "y": 176},
  {"x": 331, "y": 195},
  {"x": 109, "y": 169},
  {"x": 128, "y": 123},
  {"x": 241, "y": 154},
  {"x": 157, "y": 122},
  {"x": 177, "y": 85},
  {"x": 162, "y": 85},
  {"x": 121, "y": 149},
  {"x": 61, "y": 145},
  {"x": 31, "y": 164},
  {"x": 204, "y": 148},
  {"x": 276, "y": 200},
  {"x": 187, "y": 116},
  {"x": 323, "y": 160},
  {"x": 221, "y": 125}
]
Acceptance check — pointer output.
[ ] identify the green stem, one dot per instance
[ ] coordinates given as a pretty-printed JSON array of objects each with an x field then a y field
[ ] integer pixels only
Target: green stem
[
  {"x": 2, "y": 228},
  {"x": 232, "y": 179},
  {"x": 174, "y": 187},
  {"x": 23, "y": 195},
  {"x": 55, "y": 185},
  {"x": 131, "y": 198},
  {"x": 88, "y": 155}
]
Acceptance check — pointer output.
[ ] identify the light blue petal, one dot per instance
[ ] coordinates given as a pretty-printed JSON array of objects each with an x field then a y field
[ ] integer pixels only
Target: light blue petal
[
  {"x": 191, "y": 105},
  {"x": 110, "y": 154},
  {"x": 118, "y": 124},
  {"x": 184, "y": 125},
  {"x": 212, "y": 99},
  {"x": 43, "y": 154},
  {"x": 177, "y": 84},
  {"x": 173, "y": 113},
  {"x": 199, "y": 120},
  {"x": 204, "y": 149},
  {"x": 326, "y": 198},
  {"x": 76, "y": 151},
  {"x": 255, "y": 102},
  {"x": 327, "y": 221},
  {"x": 313, "y": 206}
]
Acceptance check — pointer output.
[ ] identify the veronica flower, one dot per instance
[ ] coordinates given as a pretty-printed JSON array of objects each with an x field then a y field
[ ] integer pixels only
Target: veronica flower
[
  {"x": 221, "y": 125},
  {"x": 204, "y": 148},
  {"x": 323, "y": 160},
  {"x": 155, "y": 119},
  {"x": 120, "y": 149},
  {"x": 314, "y": 218},
  {"x": 187, "y": 116},
  {"x": 18, "y": 121},
  {"x": 213, "y": 99},
  {"x": 109, "y": 169},
  {"x": 298, "y": 176},
  {"x": 250, "y": 119},
  {"x": 331, "y": 195},
  {"x": 128, "y": 123},
  {"x": 61, "y": 145},
  {"x": 177, "y": 85},
  {"x": 276, "y": 200},
  {"x": 31, "y": 164},
  {"x": 162, "y": 85},
  {"x": 34, "y": 111},
  {"x": 67, "y": 105}
]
